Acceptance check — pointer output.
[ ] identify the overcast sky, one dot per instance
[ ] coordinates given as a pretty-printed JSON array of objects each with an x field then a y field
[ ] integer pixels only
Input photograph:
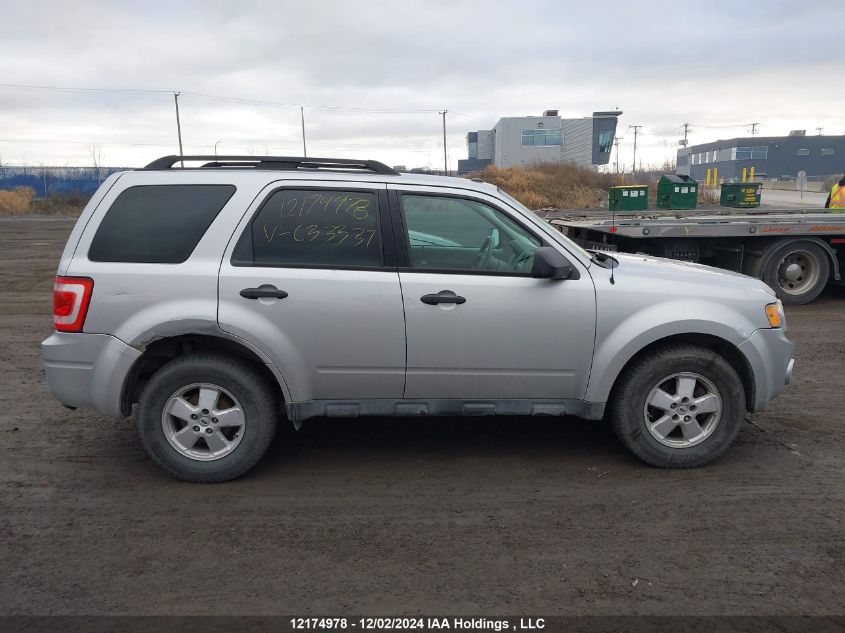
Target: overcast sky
[{"x": 373, "y": 75}]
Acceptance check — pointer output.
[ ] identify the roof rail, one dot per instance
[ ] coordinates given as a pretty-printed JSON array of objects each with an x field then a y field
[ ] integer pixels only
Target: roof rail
[{"x": 277, "y": 162}]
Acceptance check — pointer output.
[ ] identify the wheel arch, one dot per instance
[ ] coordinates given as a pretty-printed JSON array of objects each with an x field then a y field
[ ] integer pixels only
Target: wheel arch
[
  {"x": 727, "y": 350},
  {"x": 160, "y": 351}
]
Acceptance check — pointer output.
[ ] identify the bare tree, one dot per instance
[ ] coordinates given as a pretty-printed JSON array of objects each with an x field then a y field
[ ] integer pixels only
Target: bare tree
[{"x": 96, "y": 155}]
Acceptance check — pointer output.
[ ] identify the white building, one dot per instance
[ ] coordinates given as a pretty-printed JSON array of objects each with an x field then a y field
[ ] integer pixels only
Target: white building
[{"x": 525, "y": 140}]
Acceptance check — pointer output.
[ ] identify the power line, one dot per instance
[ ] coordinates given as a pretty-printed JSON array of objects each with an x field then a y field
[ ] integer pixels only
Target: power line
[
  {"x": 73, "y": 89},
  {"x": 212, "y": 97},
  {"x": 471, "y": 118}
]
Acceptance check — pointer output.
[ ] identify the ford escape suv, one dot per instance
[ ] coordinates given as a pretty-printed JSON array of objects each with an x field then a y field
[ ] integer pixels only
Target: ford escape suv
[{"x": 225, "y": 294}]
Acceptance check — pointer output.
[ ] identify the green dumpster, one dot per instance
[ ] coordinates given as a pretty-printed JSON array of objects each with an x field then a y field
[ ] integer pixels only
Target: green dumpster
[
  {"x": 628, "y": 198},
  {"x": 741, "y": 195},
  {"x": 677, "y": 191}
]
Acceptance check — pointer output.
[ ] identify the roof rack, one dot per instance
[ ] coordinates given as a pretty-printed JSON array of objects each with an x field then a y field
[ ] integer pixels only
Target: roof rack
[{"x": 277, "y": 162}]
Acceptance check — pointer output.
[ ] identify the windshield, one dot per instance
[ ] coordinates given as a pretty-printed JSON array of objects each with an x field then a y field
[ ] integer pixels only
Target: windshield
[{"x": 547, "y": 228}]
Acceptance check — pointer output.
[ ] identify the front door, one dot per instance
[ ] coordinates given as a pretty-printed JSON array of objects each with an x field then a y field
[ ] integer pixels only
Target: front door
[
  {"x": 478, "y": 325},
  {"x": 311, "y": 280}
]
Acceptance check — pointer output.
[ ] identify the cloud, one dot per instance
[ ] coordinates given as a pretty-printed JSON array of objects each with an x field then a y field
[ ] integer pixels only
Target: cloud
[{"x": 662, "y": 63}]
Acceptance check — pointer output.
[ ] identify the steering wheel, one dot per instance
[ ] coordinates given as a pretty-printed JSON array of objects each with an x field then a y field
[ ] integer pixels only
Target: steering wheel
[
  {"x": 519, "y": 258},
  {"x": 483, "y": 257}
]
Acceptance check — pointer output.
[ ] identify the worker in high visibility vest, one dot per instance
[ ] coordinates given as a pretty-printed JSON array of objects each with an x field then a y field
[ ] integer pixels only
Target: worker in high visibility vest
[{"x": 836, "y": 199}]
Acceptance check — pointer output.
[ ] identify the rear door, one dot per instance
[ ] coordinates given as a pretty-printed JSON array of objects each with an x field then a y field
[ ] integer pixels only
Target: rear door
[
  {"x": 310, "y": 277},
  {"x": 478, "y": 325}
]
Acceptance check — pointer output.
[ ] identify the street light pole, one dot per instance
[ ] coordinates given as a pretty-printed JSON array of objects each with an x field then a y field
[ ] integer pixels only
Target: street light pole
[
  {"x": 178, "y": 126},
  {"x": 215, "y": 147},
  {"x": 302, "y": 118},
  {"x": 445, "y": 159},
  {"x": 636, "y": 132}
]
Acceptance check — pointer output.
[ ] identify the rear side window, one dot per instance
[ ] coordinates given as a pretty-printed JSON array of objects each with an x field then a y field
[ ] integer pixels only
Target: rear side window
[
  {"x": 157, "y": 224},
  {"x": 321, "y": 228}
]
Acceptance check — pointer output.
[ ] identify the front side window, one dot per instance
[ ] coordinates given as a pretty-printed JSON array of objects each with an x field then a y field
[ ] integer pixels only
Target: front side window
[
  {"x": 157, "y": 224},
  {"x": 803, "y": 151},
  {"x": 313, "y": 228},
  {"x": 460, "y": 234},
  {"x": 828, "y": 151}
]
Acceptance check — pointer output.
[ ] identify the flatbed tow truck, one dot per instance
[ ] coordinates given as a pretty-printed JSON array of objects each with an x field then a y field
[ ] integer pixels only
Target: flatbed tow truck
[{"x": 796, "y": 252}]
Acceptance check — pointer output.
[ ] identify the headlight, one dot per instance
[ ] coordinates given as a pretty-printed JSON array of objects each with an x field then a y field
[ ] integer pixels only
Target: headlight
[{"x": 774, "y": 312}]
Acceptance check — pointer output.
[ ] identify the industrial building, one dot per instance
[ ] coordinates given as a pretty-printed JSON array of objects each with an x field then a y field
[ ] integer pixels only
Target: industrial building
[
  {"x": 771, "y": 157},
  {"x": 524, "y": 140}
]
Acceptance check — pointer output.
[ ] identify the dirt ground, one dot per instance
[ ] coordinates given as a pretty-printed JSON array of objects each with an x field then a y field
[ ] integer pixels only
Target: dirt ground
[{"x": 492, "y": 516}]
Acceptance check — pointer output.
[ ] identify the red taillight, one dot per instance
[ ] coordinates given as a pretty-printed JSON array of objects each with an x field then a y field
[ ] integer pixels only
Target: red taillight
[{"x": 71, "y": 296}]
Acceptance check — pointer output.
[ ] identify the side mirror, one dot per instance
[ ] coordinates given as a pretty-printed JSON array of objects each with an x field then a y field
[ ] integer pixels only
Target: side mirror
[{"x": 550, "y": 264}]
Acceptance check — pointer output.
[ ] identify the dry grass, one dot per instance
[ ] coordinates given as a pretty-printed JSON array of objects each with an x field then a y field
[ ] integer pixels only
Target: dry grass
[
  {"x": 708, "y": 196},
  {"x": 557, "y": 185},
  {"x": 17, "y": 201},
  {"x": 22, "y": 201},
  {"x": 569, "y": 186},
  {"x": 70, "y": 205}
]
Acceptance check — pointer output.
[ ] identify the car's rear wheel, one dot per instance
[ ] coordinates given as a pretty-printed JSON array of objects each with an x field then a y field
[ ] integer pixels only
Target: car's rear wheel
[
  {"x": 678, "y": 407},
  {"x": 207, "y": 417}
]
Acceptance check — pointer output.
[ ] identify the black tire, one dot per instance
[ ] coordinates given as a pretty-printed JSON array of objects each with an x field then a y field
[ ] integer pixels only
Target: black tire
[
  {"x": 628, "y": 401},
  {"x": 766, "y": 268},
  {"x": 258, "y": 400}
]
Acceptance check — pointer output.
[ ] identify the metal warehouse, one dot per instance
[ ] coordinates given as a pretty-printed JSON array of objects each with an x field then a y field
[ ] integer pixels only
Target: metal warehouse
[{"x": 771, "y": 157}]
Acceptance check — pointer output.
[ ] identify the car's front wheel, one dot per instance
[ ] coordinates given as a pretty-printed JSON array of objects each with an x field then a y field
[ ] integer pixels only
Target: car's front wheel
[
  {"x": 678, "y": 407},
  {"x": 207, "y": 417}
]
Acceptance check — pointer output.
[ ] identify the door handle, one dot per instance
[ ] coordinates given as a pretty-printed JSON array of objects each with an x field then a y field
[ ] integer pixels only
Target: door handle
[
  {"x": 269, "y": 292},
  {"x": 444, "y": 296}
]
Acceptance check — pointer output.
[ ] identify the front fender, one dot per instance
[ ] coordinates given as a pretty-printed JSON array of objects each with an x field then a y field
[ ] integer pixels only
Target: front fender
[{"x": 618, "y": 341}]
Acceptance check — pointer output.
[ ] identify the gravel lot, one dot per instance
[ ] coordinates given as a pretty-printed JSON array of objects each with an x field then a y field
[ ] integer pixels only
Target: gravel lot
[{"x": 497, "y": 516}]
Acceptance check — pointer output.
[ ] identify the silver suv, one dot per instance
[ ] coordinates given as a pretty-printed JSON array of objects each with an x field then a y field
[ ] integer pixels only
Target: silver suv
[{"x": 223, "y": 294}]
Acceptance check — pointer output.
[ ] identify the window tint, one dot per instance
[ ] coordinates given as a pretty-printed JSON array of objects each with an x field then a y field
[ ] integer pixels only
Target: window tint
[
  {"x": 463, "y": 234},
  {"x": 159, "y": 224},
  {"x": 313, "y": 228}
]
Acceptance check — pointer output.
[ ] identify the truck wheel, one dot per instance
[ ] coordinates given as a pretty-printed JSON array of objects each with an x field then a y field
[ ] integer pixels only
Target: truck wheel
[
  {"x": 797, "y": 271},
  {"x": 207, "y": 417},
  {"x": 679, "y": 407}
]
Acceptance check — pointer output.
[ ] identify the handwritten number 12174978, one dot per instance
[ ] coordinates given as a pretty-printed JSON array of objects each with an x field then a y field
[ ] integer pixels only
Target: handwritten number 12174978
[{"x": 328, "y": 219}]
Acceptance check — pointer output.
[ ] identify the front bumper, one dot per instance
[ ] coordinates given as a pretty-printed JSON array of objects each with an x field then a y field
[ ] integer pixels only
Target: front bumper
[
  {"x": 87, "y": 370},
  {"x": 770, "y": 354}
]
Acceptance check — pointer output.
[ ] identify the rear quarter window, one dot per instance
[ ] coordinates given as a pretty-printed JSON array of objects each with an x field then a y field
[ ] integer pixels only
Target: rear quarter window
[{"x": 157, "y": 224}]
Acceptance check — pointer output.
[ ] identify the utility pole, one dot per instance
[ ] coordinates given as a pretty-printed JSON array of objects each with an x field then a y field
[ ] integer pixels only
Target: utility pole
[
  {"x": 820, "y": 130},
  {"x": 686, "y": 133},
  {"x": 445, "y": 160},
  {"x": 178, "y": 125},
  {"x": 754, "y": 129},
  {"x": 616, "y": 140},
  {"x": 302, "y": 119},
  {"x": 636, "y": 132}
]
